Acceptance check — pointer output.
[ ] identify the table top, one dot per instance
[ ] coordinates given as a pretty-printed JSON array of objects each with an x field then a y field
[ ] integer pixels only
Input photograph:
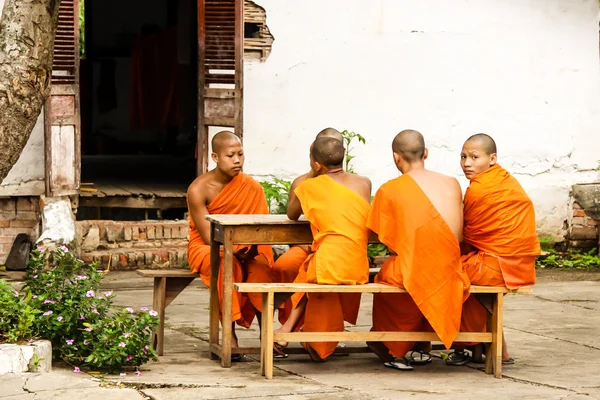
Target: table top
[{"x": 253, "y": 219}]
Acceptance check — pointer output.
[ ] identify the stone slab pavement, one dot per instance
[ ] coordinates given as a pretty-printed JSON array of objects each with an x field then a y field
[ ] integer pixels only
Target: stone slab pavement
[{"x": 552, "y": 333}]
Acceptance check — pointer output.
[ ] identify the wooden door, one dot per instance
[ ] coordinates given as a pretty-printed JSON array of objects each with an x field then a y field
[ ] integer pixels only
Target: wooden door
[
  {"x": 220, "y": 70},
  {"x": 61, "y": 113}
]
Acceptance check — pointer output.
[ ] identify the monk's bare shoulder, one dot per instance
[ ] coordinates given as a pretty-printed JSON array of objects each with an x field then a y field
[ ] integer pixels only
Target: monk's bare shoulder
[{"x": 199, "y": 187}]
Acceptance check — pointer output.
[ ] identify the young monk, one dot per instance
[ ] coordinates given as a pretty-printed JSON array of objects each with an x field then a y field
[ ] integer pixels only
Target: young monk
[
  {"x": 337, "y": 205},
  {"x": 288, "y": 264},
  {"x": 500, "y": 242},
  {"x": 418, "y": 216},
  {"x": 227, "y": 190}
]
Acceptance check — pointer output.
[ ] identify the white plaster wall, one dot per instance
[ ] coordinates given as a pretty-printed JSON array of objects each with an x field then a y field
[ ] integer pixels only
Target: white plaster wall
[{"x": 524, "y": 71}]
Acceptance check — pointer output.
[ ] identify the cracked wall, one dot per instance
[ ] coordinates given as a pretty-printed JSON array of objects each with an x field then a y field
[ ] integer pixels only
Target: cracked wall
[{"x": 447, "y": 69}]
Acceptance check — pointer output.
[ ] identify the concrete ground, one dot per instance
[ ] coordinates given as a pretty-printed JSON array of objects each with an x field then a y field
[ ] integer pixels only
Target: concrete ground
[{"x": 550, "y": 332}]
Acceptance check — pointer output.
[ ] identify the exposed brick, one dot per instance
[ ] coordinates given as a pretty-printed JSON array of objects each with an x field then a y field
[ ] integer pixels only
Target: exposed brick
[
  {"x": 582, "y": 221},
  {"x": 593, "y": 222},
  {"x": 159, "y": 231},
  {"x": 4, "y": 223},
  {"x": 139, "y": 259},
  {"x": 8, "y": 215},
  {"x": 25, "y": 204},
  {"x": 143, "y": 245},
  {"x": 583, "y": 233},
  {"x": 125, "y": 245},
  {"x": 114, "y": 233},
  {"x": 27, "y": 216},
  {"x": 148, "y": 256},
  {"x": 87, "y": 258},
  {"x": 151, "y": 232},
  {"x": 175, "y": 232},
  {"x": 163, "y": 254},
  {"x": 123, "y": 260},
  {"x": 167, "y": 232},
  {"x": 6, "y": 240},
  {"x": 127, "y": 233},
  {"x": 14, "y": 231},
  {"x": 135, "y": 233},
  {"x": 23, "y": 224},
  {"x": 143, "y": 236},
  {"x": 576, "y": 206},
  {"x": 8, "y": 205},
  {"x": 104, "y": 258}
]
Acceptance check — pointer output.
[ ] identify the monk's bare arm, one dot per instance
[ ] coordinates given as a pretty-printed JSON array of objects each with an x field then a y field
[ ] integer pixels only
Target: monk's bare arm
[
  {"x": 198, "y": 210},
  {"x": 459, "y": 201},
  {"x": 294, "y": 209}
]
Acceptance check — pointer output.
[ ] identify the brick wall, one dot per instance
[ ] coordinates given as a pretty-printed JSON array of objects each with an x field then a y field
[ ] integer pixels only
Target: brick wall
[
  {"x": 133, "y": 245},
  {"x": 17, "y": 215},
  {"x": 583, "y": 231}
]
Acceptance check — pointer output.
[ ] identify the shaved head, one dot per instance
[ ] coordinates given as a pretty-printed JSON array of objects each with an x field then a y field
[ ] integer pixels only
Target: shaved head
[
  {"x": 485, "y": 141},
  {"x": 328, "y": 152},
  {"x": 330, "y": 133},
  {"x": 221, "y": 138},
  {"x": 410, "y": 145}
]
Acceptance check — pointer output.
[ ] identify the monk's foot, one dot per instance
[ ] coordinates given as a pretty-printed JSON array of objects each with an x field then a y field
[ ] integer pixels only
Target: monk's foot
[
  {"x": 281, "y": 345},
  {"x": 424, "y": 347},
  {"x": 312, "y": 353},
  {"x": 458, "y": 357},
  {"x": 380, "y": 351}
]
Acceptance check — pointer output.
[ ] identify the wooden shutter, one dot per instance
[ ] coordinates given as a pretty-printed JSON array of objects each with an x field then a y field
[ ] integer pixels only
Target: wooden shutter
[
  {"x": 61, "y": 113},
  {"x": 220, "y": 70}
]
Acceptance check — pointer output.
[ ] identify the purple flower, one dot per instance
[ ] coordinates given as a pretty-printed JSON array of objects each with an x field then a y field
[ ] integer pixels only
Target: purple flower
[
  {"x": 69, "y": 341},
  {"x": 122, "y": 344},
  {"x": 49, "y": 302},
  {"x": 138, "y": 373},
  {"x": 63, "y": 248},
  {"x": 76, "y": 370},
  {"x": 42, "y": 248},
  {"x": 95, "y": 311},
  {"x": 85, "y": 342},
  {"x": 126, "y": 335},
  {"x": 35, "y": 277},
  {"x": 34, "y": 296},
  {"x": 81, "y": 317},
  {"x": 89, "y": 329},
  {"x": 153, "y": 313},
  {"x": 16, "y": 294},
  {"x": 109, "y": 293},
  {"x": 144, "y": 309},
  {"x": 129, "y": 358},
  {"x": 30, "y": 341},
  {"x": 59, "y": 318},
  {"x": 130, "y": 310},
  {"x": 90, "y": 293},
  {"x": 145, "y": 349},
  {"x": 81, "y": 277},
  {"x": 47, "y": 313},
  {"x": 48, "y": 284},
  {"x": 122, "y": 374}
]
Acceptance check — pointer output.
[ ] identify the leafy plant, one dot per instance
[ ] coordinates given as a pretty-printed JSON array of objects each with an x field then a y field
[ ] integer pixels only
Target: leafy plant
[
  {"x": 78, "y": 318},
  {"x": 36, "y": 360},
  {"x": 349, "y": 137},
  {"x": 81, "y": 28},
  {"x": 277, "y": 193},
  {"x": 572, "y": 259},
  {"x": 546, "y": 242},
  {"x": 17, "y": 316},
  {"x": 377, "y": 249}
]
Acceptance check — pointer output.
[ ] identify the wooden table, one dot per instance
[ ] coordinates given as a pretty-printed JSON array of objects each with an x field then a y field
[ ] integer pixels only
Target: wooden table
[{"x": 230, "y": 230}]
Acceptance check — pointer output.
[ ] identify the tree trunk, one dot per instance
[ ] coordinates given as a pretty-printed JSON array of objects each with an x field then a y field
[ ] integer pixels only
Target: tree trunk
[{"x": 27, "y": 30}]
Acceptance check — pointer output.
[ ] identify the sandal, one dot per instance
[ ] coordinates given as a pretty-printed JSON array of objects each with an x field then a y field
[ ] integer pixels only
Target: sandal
[
  {"x": 510, "y": 361},
  {"x": 278, "y": 351},
  {"x": 239, "y": 357},
  {"x": 458, "y": 357},
  {"x": 402, "y": 364},
  {"x": 418, "y": 357}
]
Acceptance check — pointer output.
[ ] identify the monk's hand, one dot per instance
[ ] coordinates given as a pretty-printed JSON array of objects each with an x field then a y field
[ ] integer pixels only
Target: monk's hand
[{"x": 246, "y": 254}]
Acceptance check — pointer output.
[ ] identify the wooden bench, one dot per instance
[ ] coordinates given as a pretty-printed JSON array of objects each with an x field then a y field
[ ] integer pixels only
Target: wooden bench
[
  {"x": 491, "y": 297},
  {"x": 168, "y": 283}
]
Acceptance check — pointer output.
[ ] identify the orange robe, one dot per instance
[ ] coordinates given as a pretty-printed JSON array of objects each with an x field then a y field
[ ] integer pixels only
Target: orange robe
[
  {"x": 285, "y": 270},
  {"x": 500, "y": 223},
  {"x": 338, "y": 218},
  {"x": 243, "y": 195},
  {"x": 427, "y": 265}
]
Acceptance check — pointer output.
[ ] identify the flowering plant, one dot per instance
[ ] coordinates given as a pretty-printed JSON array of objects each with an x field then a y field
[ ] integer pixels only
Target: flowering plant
[
  {"x": 17, "y": 316},
  {"x": 78, "y": 318}
]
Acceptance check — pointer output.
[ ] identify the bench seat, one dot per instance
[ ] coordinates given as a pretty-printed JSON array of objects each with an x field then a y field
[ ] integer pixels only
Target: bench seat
[{"x": 491, "y": 297}]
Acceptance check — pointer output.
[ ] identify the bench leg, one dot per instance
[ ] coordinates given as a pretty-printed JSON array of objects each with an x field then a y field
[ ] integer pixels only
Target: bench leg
[
  {"x": 489, "y": 359},
  {"x": 497, "y": 324},
  {"x": 267, "y": 339},
  {"x": 263, "y": 332},
  {"x": 158, "y": 304},
  {"x": 215, "y": 260},
  {"x": 227, "y": 299}
]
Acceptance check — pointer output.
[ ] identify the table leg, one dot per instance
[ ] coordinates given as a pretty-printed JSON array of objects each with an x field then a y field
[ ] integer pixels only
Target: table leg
[
  {"x": 227, "y": 298},
  {"x": 263, "y": 332},
  {"x": 215, "y": 261},
  {"x": 497, "y": 334},
  {"x": 268, "y": 340}
]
